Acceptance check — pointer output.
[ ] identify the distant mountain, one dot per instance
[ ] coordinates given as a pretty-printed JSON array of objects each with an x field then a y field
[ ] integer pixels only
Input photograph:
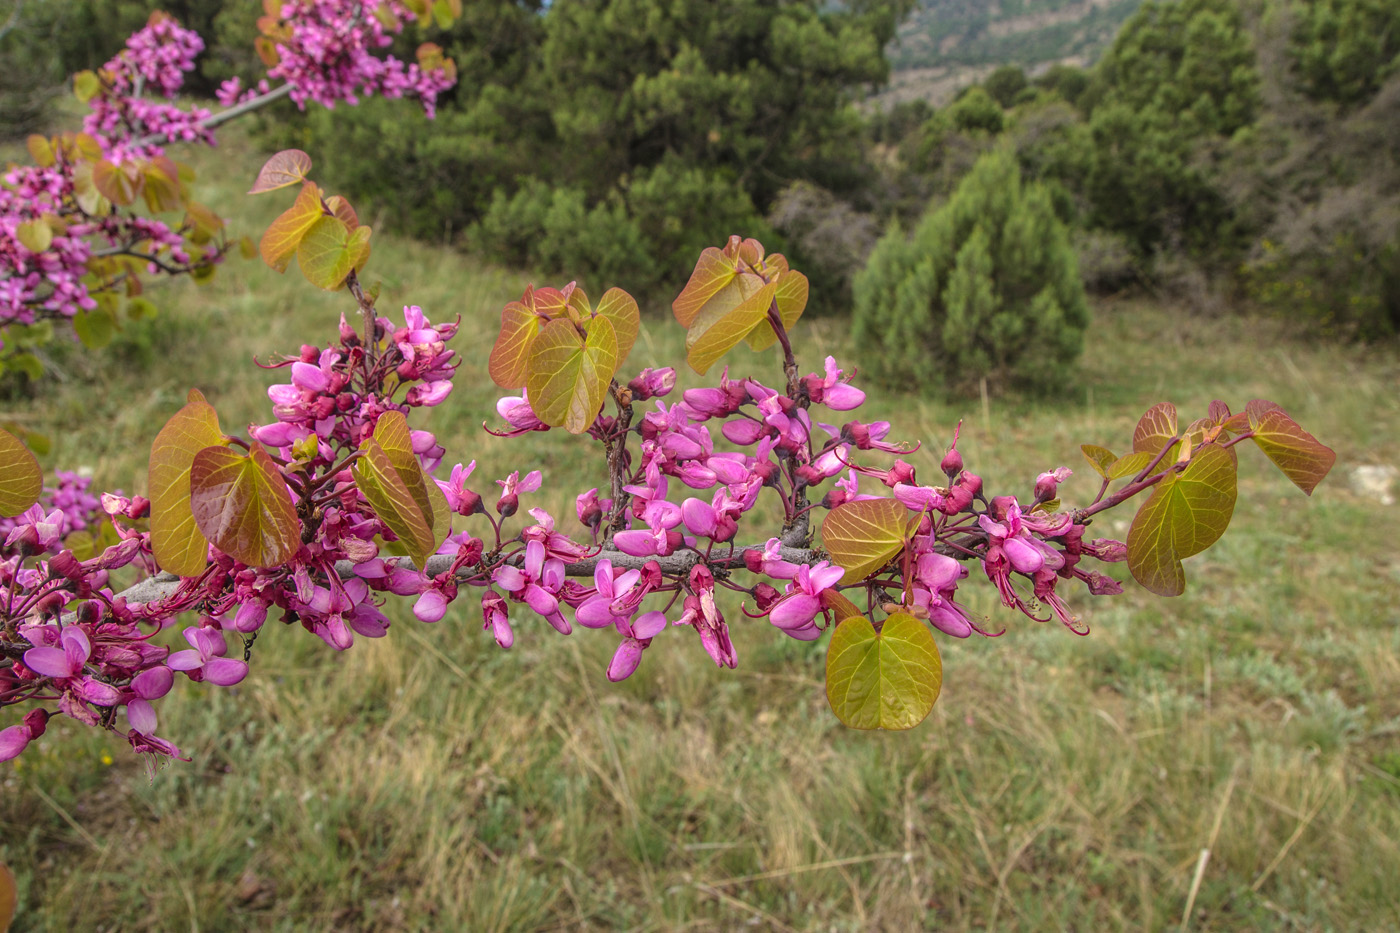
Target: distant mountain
[{"x": 946, "y": 44}]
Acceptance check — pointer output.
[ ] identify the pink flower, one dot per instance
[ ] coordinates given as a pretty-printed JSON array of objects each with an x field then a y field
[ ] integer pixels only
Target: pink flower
[
  {"x": 205, "y": 658},
  {"x": 795, "y": 613}
]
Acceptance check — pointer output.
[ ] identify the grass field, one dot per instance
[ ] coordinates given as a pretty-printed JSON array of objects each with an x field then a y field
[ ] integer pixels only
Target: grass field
[{"x": 431, "y": 781}]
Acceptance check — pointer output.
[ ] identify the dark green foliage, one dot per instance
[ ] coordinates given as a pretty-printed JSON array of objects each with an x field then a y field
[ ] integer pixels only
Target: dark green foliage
[
  {"x": 683, "y": 118},
  {"x": 1066, "y": 80},
  {"x": 1005, "y": 83},
  {"x": 977, "y": 110},
  {"x": 987, "y": 286},
  {"x": 1344, "y": 49}
]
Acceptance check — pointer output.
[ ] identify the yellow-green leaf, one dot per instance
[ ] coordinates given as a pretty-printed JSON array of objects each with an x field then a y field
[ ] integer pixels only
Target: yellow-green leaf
[
  {"x": 392, "y": 433},
  {"x": 21, "y": 480},
  {"x": 242, "y": 505},
  {"x": 864, "y": 535},
  {"x": 716, "y": 286},
  {"x": 1132, "y": 464},
  {"x": 281, "y": 239},
  {"x": 791, "y": 296},
  {"x": 161, "y": 185},
  {"x": 40, "y": 150},
  {"x": 883, "y": 680},
  {"x": 568, "y": 376},
  {"x": 86, "y": 86},
  {"x": 621, "y": 311},
  {"x": 509, "y": 363},
  {"x": 95, "y": 328},
  {"x": 386, "y": 493},
  {"x": 717, "y": 330},
  {"x": 1100, "y": 458},
  {"x": 35, "y": 235},
  {"x": 1186, "y": 513},
  {"x": 178, "y": 545},
  {"x": 288, "y": 167},
  {"x": 1303, "y": 458},
  {"x": 328, "y": 251},
  {"x": 119, "y": 184}
]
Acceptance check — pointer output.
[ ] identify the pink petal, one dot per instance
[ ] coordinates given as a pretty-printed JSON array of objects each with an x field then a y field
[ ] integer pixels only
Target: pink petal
[
  {"x": 13, "y": 741},
  {"x": 649, "y": 624},
  {"x": 795, "y": 611},
  {"x": 430, "y": 607},
  {"x": 1023, "y": 555},
  {"x": 97, "y": 693},
  {"x": 184, "y": 661},
  {"x": 636, "y": 543},
  {"x": 596, "y": 613},
  {"x": 50, "y": 662},
  {"x": 141, "y": 716},
  {"x": 225, "y": 671},
  {"x": 625, "y": 660},
  {"x": 152, "y": 684}
]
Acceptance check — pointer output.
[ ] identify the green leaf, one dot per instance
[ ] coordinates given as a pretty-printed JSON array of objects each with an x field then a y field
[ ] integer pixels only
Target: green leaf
[
  {"x": 391, "y": 500},
  {"x": 21, "y": 480},
  {"x": 176, "y": 541},
  {"x": 568, "y": 376},
  {"x": 883, "y": 680},
  {"x": 1186, "y": 513},
  {"x": 86, "y": 86},
  {"x": 95, "y": 328},
  {"x": 35, "y": 235},
  {"x": 139, "y": 308},
  {"x": 1302, "y": 458},
  {"x": 863, "y": 536},
  {"x": 1100, "y": 458},
  {"x": 716, "y": 286},
  {"x": 242, "y": 505},
  {"x": 391, "y": 431},
  {"x": 288, "y": 167},
  {"x": 40, "y": 150},
  {"x": 621, "y": 311},
  {"x": 509, "y": 364},
  {"x": 718, "y": 329},
  {"x": 328, "y": 251},
  {"x": 118, "y": 184},
  {"x": 280, "y": 241},
  {"x": 1132, "y": 464},
  {"x": 791, "y": 296},
  {"x": 1154, "y": 429}
]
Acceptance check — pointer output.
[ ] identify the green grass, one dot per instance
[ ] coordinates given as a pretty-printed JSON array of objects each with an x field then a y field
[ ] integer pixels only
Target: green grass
[{"x": 431, "y": 781}]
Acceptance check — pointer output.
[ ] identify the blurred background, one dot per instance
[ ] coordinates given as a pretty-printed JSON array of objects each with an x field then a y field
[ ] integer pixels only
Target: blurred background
[{"x": 1039, "y": 216}]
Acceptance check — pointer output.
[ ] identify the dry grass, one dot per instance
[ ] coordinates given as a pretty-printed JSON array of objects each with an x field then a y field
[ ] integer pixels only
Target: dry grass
[{"x": 431, "y": 781}]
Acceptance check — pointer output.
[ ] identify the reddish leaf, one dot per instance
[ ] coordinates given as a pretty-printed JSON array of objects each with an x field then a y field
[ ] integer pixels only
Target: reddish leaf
[
  {"x": 161, "y": 185},
  {"x": 1302, "y": 458},
  {"x": 883, "y": 680},
  {"x": 288, "y": 167},
  {"x": 1155, "y": 428},
  {"x": 242, "y": 505},
  {"x": 569, "y": 376},
  {"x": 1186, "y": 513},
  {"x": 341, "y": 208},
  {"x": 21, "y": 480},
  {"x": 864, "y": 535},
  {"x": 840, "y": 607},
  {"x": 280, "y": 241},
  {"x": 176, "y": 540},
  {"x": 119, "y": 184}
]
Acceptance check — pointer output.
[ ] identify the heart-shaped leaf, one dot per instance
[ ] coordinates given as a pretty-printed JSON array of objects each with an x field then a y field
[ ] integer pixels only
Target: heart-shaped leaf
[
  {"x": 863, "y": 536},
  {"x": 391, "y": 500},
  {"x": 281, "y": 239},
  {"x": 1303, "y": 458},
  {"x": 95, "y": 328},
  {"x": 716, "y": 331},
  {"x": 1131, "y": 464},
  {"x": 568, "y": 376},
  {"x": 328, "y": 251},
  {"x": 176, "y": 540},
  {"x": 883, "y": 680},
  {"x": 288, "y": 167},
  {"x": 119, "y": 184},
  {"x": 717, "y": 285},
  {"x": 34, "y": 235},
  {"x": 839, "y": 606},
  {"x": 1100, "y": 458},
  {"x": 1155, "y": 428},
  {"x": 242, "y": 505},
  {"x": 343, "y": 209},
  {"x": 161, "y": 187},
  {"x": 621, "y": 311},
  {"x": 1186, "y": 513},
  {"x": 509, "y": 363},
  {"x": 21, "y": 480}
]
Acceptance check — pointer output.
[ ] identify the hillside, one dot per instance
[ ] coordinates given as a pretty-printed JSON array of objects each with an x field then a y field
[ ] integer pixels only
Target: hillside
[{"x": 946, "y": 44}]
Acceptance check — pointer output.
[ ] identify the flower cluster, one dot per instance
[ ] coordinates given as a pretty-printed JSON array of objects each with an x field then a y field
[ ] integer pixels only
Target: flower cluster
[{"x": 324, "y": 50}]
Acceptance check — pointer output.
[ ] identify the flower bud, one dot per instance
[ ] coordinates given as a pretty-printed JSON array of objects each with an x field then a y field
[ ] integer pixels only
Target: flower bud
[{"x": 952, "y": 463}]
